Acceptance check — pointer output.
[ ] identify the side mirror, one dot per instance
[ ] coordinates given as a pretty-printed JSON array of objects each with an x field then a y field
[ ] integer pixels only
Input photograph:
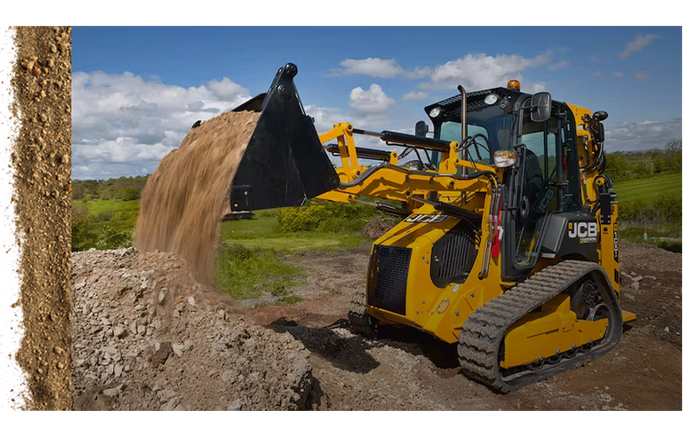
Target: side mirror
[
  {"x": 597, "y": 129},
  {"x": 541, "y": 107},
  {"x": 421, "y": 129}
]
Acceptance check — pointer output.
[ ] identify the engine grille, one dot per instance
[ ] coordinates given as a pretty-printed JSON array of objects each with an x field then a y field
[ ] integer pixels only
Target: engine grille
[
  {"x": 388, "y": 274},
  {"x": 453, "y": 255}
]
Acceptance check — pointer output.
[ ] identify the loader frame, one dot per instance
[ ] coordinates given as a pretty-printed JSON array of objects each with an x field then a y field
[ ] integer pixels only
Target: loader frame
[{"x": 449, "y": 267}]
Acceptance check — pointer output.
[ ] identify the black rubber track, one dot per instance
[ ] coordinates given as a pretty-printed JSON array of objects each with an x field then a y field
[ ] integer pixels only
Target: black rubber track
[
  {"x": 360, "y": 322},
  {"x": 483, "y": 332}
]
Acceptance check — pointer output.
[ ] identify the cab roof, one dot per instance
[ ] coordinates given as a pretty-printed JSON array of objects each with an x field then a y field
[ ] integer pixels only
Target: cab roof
[{"x": 451, "y": 107}]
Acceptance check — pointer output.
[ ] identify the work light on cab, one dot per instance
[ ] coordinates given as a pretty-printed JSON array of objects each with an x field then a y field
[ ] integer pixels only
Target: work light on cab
[{"x": 504, "y": 158}]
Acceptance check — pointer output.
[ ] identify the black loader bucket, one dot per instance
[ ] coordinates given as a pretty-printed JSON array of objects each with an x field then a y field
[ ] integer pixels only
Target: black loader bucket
[{"x": 284, "y": 164}]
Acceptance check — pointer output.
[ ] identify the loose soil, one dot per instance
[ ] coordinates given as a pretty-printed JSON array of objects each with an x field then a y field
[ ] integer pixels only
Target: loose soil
[
  {"x": 182, "y": 202},
  {"x": 139, "y": 343},
  {"x": 406, "y": 369},
  {"x": 42, "y": 159}
]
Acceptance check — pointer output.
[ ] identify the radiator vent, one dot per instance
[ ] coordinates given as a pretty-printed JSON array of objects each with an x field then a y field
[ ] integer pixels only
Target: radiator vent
[
  {"x": 453, "y": 255},
  {"x": 388, "y": 274}
]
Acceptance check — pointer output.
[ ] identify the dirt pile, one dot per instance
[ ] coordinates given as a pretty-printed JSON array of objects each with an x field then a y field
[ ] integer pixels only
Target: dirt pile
[
  {"x": 149, "y": 333},
  {"x": 182, "y": 202},
  {"x": 403, "y": 369},
  {"x": 377, "y": 227},
  {"x": 147, "y": 336}
]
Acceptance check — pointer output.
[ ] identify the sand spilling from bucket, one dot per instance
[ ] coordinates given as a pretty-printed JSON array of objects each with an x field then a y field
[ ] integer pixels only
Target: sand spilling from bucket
[{"x": 182, "y": 202}]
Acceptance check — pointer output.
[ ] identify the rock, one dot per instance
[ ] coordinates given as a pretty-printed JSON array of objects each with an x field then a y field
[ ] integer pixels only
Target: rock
[
  {"x": 650, "y": 277},
  {"x": 112, "y": 392},
  {"x": 635, "y": 286},
  {"x": 667, "y": 330},
  {"x": 223, "y": 368},
  {"x": 178, "y": 349},
  {"x": 633, "y": 274},
  {"x": 120, "y": 333},
  {"x": 630, "y": 297},
  {"x": 235, "y": 405},
  {"x": 625, "y": 274},
  {"x": 638, "y": 278},
  {"x": 161, "y": 355}
]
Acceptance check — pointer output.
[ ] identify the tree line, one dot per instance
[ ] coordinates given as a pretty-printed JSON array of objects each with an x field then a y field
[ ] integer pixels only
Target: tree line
[
  {"x": 119, "y": 189},
  {"x": 621, "y": 166}
]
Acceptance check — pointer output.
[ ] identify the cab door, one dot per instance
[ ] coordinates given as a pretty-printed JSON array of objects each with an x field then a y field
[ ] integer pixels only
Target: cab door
[{"x": 535, "y": 191}]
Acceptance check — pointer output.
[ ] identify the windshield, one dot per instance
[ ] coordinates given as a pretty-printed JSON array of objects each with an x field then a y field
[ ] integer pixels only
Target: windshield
[{"x": 491, "y": 121}]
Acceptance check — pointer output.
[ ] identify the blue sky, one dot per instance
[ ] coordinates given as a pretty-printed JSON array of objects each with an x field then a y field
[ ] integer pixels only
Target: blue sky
[{"x": 375, "y": 77}]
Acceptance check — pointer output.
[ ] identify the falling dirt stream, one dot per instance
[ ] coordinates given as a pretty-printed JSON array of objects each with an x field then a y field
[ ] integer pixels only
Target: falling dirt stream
[{"x": 182, "y": 202}]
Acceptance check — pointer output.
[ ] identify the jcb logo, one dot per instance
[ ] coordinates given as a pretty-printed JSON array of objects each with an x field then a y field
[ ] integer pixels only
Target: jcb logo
[
  {"x": 432, "y": 218},
  {"x": 583, "y": 229}
]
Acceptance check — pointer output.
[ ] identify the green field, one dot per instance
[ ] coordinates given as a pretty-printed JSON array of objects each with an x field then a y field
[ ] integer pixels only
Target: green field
[
  {"x": 97, "y": 206},
  {"x": 666, "y": 185},
  {"x": 103, "y": 224},
  {"x": 249, "y": 264},
  {"x": 654, "y": 204},
  {"x": 261, "y": 233}
]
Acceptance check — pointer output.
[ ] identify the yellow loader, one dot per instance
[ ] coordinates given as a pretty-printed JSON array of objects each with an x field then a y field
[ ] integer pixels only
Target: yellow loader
[{"x": 508, "y": 240}]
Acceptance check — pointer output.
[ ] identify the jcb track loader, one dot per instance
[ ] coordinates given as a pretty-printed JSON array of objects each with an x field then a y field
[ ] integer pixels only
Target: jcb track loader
[{"x": 508, "y": 243}]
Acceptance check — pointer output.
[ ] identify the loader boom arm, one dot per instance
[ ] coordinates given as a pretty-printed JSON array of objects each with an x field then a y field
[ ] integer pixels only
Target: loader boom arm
[{"x": 388, "y": 180}]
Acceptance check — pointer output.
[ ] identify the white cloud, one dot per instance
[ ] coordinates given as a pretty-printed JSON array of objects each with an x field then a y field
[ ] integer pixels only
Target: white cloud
[
  {"x": 642, "y": 135},
  {"x": 379, "y": 68},
  {"x": 597, "y": 74},
  {"x": 638, "y": 44},
  {"x": 372, "y": 100},
  {"x": 227, "y": 90},
  {"x": 478, "y": 71},
  {"x": 325, "y": 118},
  {"x": 640, "y": 76},
  {"x": 618, "y": 74},
  {"x": 474, "y": 71},
  {"x": 123, "y": 124},
  {"x": 536, "y": 87},
  {"x": 559, "y": 65},
  {"x": 415, "y": 95}
]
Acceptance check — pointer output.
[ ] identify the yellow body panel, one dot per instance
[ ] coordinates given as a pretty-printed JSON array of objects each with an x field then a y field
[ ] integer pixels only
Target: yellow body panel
[{"x": 438, "y": 311}]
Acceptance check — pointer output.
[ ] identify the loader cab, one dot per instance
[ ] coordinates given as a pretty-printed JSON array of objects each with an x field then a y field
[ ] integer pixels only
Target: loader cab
[
  {"x": 490, "y": 118},
  {"x": 544, "y": 182}
]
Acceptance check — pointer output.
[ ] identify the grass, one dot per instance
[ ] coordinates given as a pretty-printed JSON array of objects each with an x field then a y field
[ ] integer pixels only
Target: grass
[
  {"x": 672, "y": 238},
  {"x": 262, "y": 233},
  {"x": 248, "y": 266},
  {"x": 654, "y": 204},
  {"x": 96, "y": 206},
  {"x": 667, "y": 185},
  {"x": 106, "y": 224},
  {"x": 246, "y": 273}
]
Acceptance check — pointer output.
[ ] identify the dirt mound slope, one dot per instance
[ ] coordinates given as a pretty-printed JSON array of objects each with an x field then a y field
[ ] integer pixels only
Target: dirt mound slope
[{"x": 147, "y": 336}]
